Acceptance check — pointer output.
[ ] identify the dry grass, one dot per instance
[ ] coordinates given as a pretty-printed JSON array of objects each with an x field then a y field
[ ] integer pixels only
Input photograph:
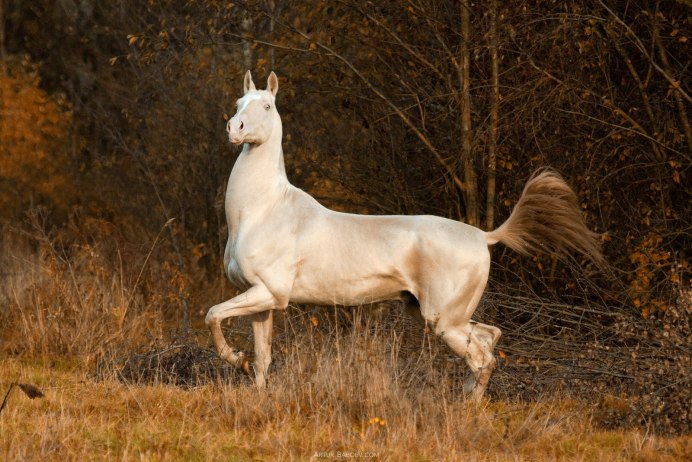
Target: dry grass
[
  {"x": 348, "y": 392},
  {"x": 296, "y": 419},
  {"x": 71, "y": 300},
  {"x": 342, "y": 382}
]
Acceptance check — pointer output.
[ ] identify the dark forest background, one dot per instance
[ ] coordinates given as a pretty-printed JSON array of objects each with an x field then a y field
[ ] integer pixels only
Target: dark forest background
[{"x": 113, "y": 144}]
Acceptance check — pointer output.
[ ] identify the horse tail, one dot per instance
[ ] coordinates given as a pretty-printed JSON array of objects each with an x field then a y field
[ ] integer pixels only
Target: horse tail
[{"x": 547, "y": 219}]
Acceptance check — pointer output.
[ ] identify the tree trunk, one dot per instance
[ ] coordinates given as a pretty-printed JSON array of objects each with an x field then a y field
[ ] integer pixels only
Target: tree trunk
[
  {"x": 246, "y": 27},
  {"x": 272, "y": 9},
  {"x": 494, "y": 118},
  {"x": 2, "y": 37},
  {"x": 470, "y": 191}
]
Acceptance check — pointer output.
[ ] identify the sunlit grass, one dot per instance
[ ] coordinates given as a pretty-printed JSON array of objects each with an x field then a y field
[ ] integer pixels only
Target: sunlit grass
[
  {"x": 82, "y": 419},
  {"x": 344, "y": 385}
]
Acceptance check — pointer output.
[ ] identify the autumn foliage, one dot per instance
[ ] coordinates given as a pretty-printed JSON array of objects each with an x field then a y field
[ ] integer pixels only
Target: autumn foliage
[{"x": 35, "y": 133}]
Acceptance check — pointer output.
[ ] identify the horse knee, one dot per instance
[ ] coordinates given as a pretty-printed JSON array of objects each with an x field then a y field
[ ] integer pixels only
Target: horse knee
[
  {"x": 215, "y": 315},
  {"x": 210, "y": 319}
]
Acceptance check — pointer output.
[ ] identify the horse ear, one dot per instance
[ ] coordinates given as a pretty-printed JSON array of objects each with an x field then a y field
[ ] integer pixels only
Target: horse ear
[
  {"x": 273, "y": 83},
  {"x": 248, "y": 84}
]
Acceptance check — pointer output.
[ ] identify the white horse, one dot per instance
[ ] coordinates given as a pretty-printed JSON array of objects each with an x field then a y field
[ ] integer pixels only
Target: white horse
[{"x": 283, "y": 246}]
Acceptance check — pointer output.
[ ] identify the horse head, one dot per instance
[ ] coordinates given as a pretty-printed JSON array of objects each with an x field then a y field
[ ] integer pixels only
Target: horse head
[{"x": 256, "y": 114}]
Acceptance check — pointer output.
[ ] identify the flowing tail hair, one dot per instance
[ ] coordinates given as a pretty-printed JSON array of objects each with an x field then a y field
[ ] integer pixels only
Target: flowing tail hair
[{"x": 547, "y": 219}]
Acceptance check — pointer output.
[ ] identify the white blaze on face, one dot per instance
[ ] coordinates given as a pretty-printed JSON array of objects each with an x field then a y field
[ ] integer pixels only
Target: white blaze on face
[
  {"x": 246, "y": 100},
  {"x": 237, "y": 127}
]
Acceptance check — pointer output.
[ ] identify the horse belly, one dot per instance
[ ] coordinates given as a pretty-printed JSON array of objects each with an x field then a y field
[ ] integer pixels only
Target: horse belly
[{"x": 347, "y": 284}]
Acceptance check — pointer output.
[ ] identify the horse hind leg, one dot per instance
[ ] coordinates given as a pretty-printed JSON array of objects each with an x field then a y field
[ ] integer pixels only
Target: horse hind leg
[
  {"x": 474, "y": 342},
  {"x": 487, "y": 337}
]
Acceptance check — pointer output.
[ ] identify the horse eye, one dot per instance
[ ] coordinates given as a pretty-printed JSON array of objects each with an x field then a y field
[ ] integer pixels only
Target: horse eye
[{"x": 266, "y": 106}]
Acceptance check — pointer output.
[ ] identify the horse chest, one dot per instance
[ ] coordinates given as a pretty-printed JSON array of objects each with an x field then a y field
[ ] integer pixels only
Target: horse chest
[
  {"x": 240, "y": 262},
  {"x": 258, "y": 224},
  {"x": 255, "y": 248}
]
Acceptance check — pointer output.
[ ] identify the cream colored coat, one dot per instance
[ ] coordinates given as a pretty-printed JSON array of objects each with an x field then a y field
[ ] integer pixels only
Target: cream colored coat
[{"x": 283, "y": 246}]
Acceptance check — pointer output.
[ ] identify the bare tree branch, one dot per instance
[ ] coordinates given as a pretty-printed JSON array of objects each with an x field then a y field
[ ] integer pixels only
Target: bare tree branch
[
  {"x": 421, "y": 136},
  {"x": 494, "y": 118},
  {"x": 677, "y": 95},
  {"x": 642, "y": 49},
  {"x": 470, "y": 189}
]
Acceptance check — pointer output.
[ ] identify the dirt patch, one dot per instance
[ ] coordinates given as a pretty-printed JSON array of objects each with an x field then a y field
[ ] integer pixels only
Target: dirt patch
[{"x": 181, "y": 363}]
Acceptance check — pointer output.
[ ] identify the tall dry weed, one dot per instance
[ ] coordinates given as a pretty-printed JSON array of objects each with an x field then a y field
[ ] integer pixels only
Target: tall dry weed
[{"x": 70, "y": 299}]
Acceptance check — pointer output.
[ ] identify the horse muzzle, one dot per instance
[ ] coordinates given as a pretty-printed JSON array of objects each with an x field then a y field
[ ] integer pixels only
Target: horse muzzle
[{"x": 236, "y": 130}]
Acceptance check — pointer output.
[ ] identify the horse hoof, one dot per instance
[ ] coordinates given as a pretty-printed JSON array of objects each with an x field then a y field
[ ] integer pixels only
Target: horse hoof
[
  {"x": 469, "y": 385},
  {"x": 245, "y": 365}
]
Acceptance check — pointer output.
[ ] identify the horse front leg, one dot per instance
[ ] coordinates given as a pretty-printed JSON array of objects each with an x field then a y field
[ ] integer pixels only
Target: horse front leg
[
  {"x": 257, "y": 299},
  {"x": 262, "y": 329}
]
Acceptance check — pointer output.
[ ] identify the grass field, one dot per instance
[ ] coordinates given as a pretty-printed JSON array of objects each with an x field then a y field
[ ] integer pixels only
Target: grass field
[
  {"x": 345, "y": 384},
  {"x": 295, "y": 419}
]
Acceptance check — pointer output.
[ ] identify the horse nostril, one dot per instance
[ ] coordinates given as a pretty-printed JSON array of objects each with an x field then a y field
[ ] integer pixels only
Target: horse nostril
[{"x": 241, "y": 125}]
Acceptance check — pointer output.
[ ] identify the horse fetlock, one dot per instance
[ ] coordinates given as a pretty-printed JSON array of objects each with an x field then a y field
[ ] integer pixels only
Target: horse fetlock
[
  {"x": 260, "y": 380},
  {"x": 235, "y": 358},
  {"x": 477, "y": 394},
  {"x": 241, "y": 362}
]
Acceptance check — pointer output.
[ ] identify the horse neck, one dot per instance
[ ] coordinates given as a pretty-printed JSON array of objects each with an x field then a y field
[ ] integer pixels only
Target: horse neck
[{"x": 259, "y": 170}]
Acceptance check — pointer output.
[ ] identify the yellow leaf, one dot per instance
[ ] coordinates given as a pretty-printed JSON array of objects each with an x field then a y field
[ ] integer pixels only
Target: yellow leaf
[{"x": 198, "y": 250}]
